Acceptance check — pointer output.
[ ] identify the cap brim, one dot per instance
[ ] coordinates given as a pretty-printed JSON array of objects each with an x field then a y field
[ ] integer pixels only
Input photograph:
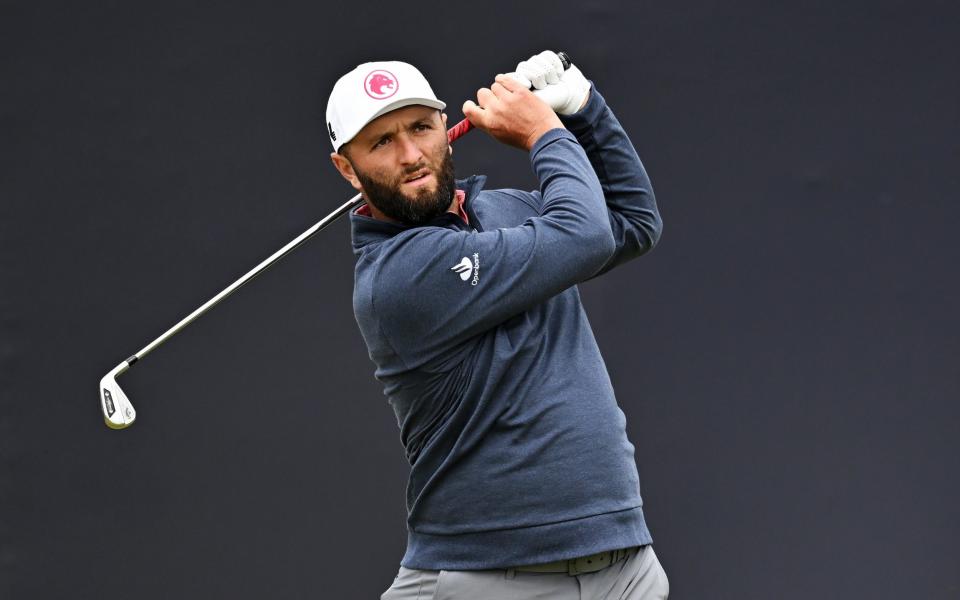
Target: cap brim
[{"x": 394, "y": 106}]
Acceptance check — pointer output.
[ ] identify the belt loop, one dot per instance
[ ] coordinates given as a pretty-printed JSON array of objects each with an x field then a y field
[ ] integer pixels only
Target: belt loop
[{"x": 510, "y": 574}]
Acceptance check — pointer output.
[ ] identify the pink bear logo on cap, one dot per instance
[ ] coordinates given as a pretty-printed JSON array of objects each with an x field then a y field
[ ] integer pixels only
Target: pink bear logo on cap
[{"x": 380, "y": 85}]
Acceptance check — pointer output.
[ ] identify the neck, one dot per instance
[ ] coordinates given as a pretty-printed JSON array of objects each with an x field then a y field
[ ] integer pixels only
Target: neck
[{"x": 376, "y": 214}]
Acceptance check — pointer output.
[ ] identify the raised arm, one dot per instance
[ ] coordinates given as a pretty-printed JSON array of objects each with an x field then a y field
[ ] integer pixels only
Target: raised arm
[{"x": 634, "y": 218}]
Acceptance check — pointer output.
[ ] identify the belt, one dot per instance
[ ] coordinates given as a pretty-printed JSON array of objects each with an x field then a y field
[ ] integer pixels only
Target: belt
[{"x": 577, "y": 566}]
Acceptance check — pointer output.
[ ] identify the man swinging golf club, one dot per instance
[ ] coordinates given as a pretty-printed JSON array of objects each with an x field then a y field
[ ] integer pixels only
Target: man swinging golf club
[{"x": 523, "y": 483}]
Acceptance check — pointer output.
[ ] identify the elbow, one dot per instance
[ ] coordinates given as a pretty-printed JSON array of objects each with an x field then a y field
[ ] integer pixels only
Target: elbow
[
  {"x": 642, "y": 235},
  {"x": 652, "y": 223},
  {"x": 648, "y": 225},
  {"x": 656, "y": 229}
]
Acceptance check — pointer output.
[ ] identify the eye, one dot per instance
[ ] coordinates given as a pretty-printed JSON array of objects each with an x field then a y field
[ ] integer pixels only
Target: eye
[
  {"x": 421, "y": 127},
  {"x": 381, "y": 142}
]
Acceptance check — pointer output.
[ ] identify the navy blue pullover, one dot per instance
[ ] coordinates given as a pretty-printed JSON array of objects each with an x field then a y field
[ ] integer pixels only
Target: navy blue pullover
[{"x": 518, "y": 450}]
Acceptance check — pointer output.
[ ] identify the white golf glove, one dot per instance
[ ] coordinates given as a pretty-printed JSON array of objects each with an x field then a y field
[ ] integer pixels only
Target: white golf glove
[{"x": 564, "y": 91}]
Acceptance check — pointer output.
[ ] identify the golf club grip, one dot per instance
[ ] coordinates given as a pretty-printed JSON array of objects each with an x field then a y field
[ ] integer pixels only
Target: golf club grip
[
  {"x": 465, "y": 125},
  {"x": 459, "y": 129}
]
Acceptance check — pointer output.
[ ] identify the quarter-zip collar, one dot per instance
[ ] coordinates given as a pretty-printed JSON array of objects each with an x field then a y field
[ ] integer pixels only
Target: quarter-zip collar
[{"x": 368, "y": 230}]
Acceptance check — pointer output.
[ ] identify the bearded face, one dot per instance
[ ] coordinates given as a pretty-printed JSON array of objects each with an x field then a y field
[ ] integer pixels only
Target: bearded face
[
  {"x": 401, "y": 163},
  {"x": 415, "y": 196}
]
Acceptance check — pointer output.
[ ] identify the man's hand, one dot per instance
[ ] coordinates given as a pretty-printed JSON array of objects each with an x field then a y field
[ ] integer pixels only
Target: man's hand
[
  {"x": 566, "y": 91},
  {"x": 511, "y": 113}
]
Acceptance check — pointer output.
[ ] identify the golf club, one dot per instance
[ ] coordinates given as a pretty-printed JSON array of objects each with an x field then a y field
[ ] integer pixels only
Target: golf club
[{"x": 118, "y": 412}]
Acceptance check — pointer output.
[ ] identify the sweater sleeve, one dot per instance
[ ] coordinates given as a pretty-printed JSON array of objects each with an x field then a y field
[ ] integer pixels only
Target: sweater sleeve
[
  {"x": 634, "y": 218},
  {"x": 438, "y": 287}
]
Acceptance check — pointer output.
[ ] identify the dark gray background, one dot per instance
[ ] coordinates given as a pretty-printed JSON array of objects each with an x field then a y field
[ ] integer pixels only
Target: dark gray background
[{"x": 786, "y": 358}]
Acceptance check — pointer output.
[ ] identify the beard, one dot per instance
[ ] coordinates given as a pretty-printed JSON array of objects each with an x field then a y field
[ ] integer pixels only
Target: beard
[{"x": 425, "y": 206}]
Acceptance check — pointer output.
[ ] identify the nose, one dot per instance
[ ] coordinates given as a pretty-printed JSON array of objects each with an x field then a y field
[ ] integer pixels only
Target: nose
[{"x": 409, "y": 151}]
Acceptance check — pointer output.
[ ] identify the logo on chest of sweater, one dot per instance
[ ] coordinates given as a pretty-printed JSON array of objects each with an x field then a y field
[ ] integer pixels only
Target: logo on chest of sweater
[{"x": 466, "y": 267}]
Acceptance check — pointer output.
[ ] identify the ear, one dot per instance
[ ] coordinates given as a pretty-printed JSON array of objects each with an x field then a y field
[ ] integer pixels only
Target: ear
[{"x": 346, "y": 170}]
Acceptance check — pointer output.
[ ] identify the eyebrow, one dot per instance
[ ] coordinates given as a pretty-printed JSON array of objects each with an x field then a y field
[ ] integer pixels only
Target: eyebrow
[
  {"x": 388, "y": 134},
  {"x": 426, "y": 119}
]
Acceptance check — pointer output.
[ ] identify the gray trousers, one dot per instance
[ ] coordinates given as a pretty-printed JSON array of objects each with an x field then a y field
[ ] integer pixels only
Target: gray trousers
[{"x": 638, "y": 577}]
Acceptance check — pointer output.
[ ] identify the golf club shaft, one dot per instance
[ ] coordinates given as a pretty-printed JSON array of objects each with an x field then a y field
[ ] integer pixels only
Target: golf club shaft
[{"x": 452, "y": 134}]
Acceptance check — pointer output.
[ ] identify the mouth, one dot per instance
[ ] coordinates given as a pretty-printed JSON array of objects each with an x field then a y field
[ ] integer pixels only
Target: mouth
[{"x": 419, "y": 178}]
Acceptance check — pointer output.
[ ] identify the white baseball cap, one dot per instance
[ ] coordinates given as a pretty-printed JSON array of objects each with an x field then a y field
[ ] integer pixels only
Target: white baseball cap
[{"x": 373, "y": 89}]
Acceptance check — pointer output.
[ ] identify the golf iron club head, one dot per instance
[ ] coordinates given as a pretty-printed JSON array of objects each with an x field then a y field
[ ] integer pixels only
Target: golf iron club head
[{"x": 118, "y": 413}]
